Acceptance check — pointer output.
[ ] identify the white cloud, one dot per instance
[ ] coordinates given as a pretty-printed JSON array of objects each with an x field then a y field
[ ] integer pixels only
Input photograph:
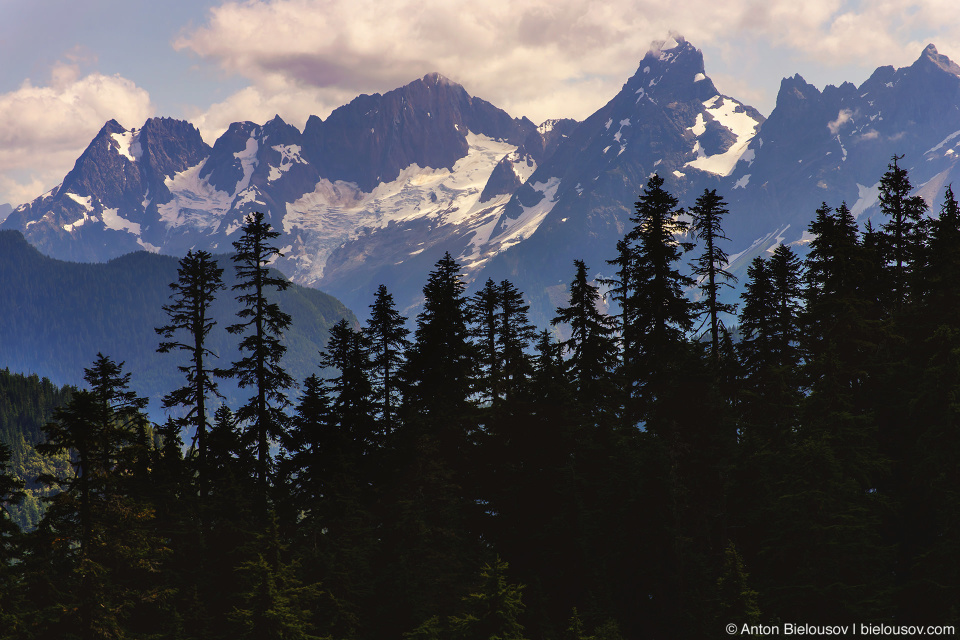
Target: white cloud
[
  {"x": 15, "y": 192},
  {"x": 294, "y": 104},
  {"x": 539, "y": 59},
  {"x": 843, "y": 117},
  {"x": 542, "y": 58},
  {"x": 43, "y": 129}
]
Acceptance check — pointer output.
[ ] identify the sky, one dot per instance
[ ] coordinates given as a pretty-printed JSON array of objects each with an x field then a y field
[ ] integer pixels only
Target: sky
[{"x": 68, "y": 66}]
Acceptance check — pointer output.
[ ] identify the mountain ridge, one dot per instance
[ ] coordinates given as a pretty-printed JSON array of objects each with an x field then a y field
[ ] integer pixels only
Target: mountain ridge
[
  {"x": 61, "y": 314},
  {"x": 387, "y": 183}
]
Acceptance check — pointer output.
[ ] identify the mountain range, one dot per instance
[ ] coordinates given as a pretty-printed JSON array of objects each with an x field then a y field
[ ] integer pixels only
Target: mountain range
[{"x": 386, "y": 184}]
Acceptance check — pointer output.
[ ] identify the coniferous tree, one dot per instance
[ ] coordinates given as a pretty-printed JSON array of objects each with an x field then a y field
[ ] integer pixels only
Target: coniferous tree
[
  {"x": 440, "y": 370},
  {"x": 693, "y": 440},
  {"x": 830, "y": 501},
  {"x": 311, "y": 441},
  {"x": 273, "y": 603},
  {"x": 516, "y": 337},
  {"x": 99, "y": 525},
  {"x": 11, "y": 493},
  {"x": 119, "y": 407},
  {"x": 757, "y": 316},
  {"x": 262, "y": 324},
  {"x": 667, "y": 313},
  {"x": 484, "y": 306},
  {"x": 902, "y": 231},
  {"x": 927, "y": 486},
  {"x": 233, "y": 521},
  {"x": 652, "y": 287},
  {"x": 511, "y": 443},
  {"x": 347, "y": 476},
  {"x": 601, "y": 465},
  {"x": 348, "y": 353},
  {"x": 433, "y": 507},
  {"x": 786, "y": 273},
  {"x": 592, "y": 345},
  {"x": 331, "y": 514},
  {"x": 504, "y": 334},
  {"x": 493, "y": 610},
  {"x": 387, "y": 332},
  {"x": 199, "y": 280},
  {"x": 770, "y": 327},
  {"x": 707, "y": 214},
  {"x": 737, "y": 600},
  {"x": 768, "y": 393}
]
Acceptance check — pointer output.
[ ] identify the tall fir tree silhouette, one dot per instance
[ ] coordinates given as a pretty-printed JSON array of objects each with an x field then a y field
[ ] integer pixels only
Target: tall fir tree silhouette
[
  {"x": 199, "y": 278},
  {"x": 386, "y": 329},
  {"x": 707, "y": 214},
  {"x": 261, "y": 326}
]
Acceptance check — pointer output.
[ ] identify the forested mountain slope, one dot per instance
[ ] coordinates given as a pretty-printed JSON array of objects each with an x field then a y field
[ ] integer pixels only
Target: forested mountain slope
[
  {"x": 26, "y": 404},
  {"x": 58, "y": 315}
]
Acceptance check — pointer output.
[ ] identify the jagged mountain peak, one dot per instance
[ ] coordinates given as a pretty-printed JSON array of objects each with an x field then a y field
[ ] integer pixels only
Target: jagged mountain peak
[
  {"x": 672, "y": 68},
  {"x": 796, "y": 87},
  {"x": 931, "y": 58},
  {"x": 109, "y": 127},
  {"x": 434, "y": 79},
  {"x": 389, "y": 181},
  {"x": 425, "y": 122}
]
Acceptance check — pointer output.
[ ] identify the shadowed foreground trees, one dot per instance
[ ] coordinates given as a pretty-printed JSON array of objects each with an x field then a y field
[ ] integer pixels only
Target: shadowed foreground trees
[{"x": 640, "y": 479}]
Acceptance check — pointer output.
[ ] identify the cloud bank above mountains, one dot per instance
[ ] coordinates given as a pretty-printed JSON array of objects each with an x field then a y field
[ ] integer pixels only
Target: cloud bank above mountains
[
  {"x": 546, "y": 58},
  {"x": 220, "y": 62}
]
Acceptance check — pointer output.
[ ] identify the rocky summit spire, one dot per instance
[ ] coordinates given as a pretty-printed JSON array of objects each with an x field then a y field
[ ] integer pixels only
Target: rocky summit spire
[{"x": 930, "y": 56}]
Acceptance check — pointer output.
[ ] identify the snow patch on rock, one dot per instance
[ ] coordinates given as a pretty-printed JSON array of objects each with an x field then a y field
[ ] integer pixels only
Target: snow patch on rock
[
  {"x": 289, "y": 156},
  {"x": 731, "y": 115},
  {"x": 866, "y": 198},
  {"x": 112, "y": 220},
  {"x": 128, "y": 144},
  {"x": 195, "y": 201}
]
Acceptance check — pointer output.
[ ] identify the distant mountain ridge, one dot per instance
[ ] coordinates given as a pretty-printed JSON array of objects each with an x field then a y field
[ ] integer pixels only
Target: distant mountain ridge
[
  {"x": 58, "y": 315},
  {"x": 834, "y": 145},
  {"x": 382, "y": 187}
]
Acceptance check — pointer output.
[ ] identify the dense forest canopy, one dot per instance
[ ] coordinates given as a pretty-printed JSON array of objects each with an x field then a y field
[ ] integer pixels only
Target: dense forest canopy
[
  {"x": 648, "y": 476},
  {"x": 27, "y": 403}
]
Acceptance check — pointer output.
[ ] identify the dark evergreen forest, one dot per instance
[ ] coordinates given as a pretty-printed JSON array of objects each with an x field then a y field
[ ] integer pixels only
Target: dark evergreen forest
[
  {"x": 655, "y": 474},
  {"x": 27, "y": 403}
]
